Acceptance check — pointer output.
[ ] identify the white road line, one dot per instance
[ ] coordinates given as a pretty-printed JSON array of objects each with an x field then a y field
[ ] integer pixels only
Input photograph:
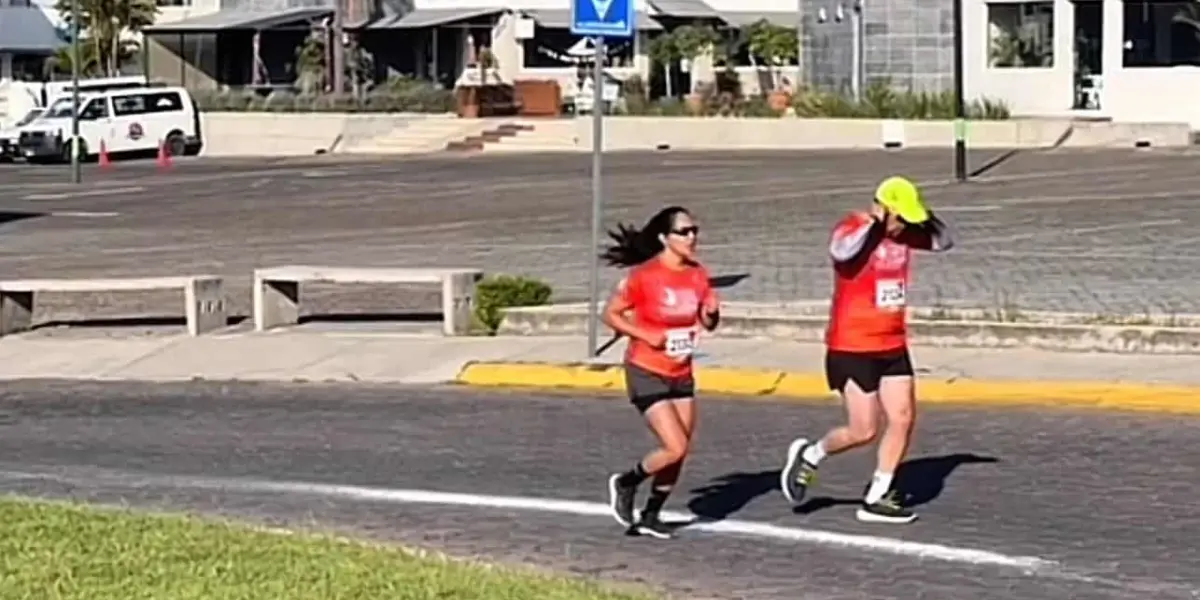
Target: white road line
[
  {"x": 738, "y": 528},
  {"x": 79, "y": 214},
  {"x": 85, "y": 193}
]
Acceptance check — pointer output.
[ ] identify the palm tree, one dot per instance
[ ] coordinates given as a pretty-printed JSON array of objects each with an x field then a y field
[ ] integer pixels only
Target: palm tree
[
  {"x": 101, "y": 23},
  {"x": 61, "y": 61}
]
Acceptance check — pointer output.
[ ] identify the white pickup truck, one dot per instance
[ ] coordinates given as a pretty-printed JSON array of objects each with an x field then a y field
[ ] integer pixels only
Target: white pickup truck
[{"x": 9, "y": 135}]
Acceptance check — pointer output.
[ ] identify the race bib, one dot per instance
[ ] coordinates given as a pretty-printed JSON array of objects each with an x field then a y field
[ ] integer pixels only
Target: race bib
[
  {"x": 681, "y": 342},
  {"x": 889, "y": 293}
]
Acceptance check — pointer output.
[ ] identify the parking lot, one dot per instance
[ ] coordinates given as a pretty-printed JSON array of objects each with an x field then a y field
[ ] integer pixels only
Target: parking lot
[{"x": 1097, "y": 231}]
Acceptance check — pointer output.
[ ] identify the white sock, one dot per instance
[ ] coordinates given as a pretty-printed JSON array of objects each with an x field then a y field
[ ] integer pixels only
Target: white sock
[
  {"x": 880, "y": 484},
  {"x": 814, "y": 453}
]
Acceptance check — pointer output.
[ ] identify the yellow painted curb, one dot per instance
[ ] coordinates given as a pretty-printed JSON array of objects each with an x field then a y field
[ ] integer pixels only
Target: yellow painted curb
[
  {"x": 592, "y": 377},
  {"x": 1174, "y": 399}
]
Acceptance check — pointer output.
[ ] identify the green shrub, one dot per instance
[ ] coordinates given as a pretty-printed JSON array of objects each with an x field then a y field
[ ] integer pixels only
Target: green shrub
[
  {"x": 397, "y": 95},
  {"x": 879, "y": 101},
  {"x": 494, "y": 294},
  {"x": 882, "y": 102}
]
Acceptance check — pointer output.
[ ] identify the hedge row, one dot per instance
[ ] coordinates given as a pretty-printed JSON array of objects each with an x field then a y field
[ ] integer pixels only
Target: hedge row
[
  {"x": 877, "y": 102},
  {"x": 430, "y": 100}
]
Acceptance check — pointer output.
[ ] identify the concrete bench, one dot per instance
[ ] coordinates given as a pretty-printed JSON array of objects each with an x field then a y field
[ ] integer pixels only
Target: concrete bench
[
  {"x": 277, "y": 291},
  {"x": 204, "y": 298}
]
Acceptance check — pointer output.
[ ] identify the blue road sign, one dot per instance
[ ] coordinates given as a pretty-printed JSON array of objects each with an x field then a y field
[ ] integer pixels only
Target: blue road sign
[{"x": 602, "y": 18}]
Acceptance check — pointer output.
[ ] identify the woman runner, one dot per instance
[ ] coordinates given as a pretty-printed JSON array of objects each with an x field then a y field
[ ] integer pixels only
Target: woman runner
[
  {"x": 867, "y": 360},
  {"x": 670, "y": 298}
]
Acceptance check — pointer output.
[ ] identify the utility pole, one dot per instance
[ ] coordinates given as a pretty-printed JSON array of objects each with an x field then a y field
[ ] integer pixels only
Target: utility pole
[
  {"x": 339, "y": 49},
  {"x": 76, "y": 171}
]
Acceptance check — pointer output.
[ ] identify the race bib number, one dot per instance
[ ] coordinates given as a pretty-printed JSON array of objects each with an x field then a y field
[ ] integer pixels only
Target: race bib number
[
  {"x": 889, "y": 293},
  {"x": 681, "y": 342}
]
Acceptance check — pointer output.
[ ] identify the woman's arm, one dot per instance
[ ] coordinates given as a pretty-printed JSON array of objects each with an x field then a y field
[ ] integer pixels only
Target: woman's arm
[
  {"x": 621, "y": 302},
  {"x": 933, "y": 235},
  {"x": 710, "y": 310}
]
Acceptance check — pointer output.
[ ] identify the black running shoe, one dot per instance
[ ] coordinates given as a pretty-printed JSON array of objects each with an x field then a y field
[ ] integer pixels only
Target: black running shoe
[
  {"x": 797, "y": 474},
  {"x": 652, "y": 525},
  {"x": 886, "y": 510},
  {"x": 620, "y": 500}
]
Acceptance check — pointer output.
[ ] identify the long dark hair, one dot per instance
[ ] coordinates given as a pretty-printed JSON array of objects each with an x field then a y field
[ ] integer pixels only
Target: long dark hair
[{"x": 635, "y": 246}]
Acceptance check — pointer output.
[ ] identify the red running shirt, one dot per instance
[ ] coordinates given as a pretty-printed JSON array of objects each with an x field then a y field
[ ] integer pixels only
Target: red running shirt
[
  {"x": 869, "y": 308},
  {"x": 666, "y": 301}
]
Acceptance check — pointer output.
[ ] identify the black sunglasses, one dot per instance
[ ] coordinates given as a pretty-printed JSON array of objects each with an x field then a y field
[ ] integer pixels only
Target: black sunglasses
[{"x": 686, "y": 231}]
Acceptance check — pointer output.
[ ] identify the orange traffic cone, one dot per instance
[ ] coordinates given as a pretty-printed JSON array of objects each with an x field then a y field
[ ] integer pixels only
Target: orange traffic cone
[
  {"x": 105, "y": 161},
  {"x": 164, "y": 157}
]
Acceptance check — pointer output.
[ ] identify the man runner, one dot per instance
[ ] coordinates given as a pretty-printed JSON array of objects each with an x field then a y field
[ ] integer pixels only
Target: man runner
[{"x": 867, "y": 360}]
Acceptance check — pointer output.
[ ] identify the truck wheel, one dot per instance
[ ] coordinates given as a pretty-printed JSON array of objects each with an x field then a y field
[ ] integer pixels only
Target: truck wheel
[{"x": 176, "y": 144}]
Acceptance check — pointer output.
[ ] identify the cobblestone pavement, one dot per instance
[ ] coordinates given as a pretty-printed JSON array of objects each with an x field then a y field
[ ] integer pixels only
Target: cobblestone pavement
[
  {"x": 1097, "y": 231},
  {"x": 1105, "y": 500}
]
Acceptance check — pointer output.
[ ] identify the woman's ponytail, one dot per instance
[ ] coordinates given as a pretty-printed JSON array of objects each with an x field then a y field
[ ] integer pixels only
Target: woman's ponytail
[
  {"x": 632, "y": 246},
  {"x": 635, "y": 246}
]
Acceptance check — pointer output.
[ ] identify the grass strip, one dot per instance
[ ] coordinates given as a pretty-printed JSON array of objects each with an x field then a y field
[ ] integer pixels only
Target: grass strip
[{"x": 59, "y": 551}]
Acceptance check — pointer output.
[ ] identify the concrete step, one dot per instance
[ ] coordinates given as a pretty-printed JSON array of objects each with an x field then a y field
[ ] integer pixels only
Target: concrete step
[
  {"x": 420, "y": 137},
  {"x": 517, "y": 149},
  {"x": 548, "y": 136}
]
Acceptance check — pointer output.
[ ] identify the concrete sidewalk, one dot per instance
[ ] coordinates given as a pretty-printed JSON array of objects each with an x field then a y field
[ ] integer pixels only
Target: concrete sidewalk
[{"x": 726, "y": 366}]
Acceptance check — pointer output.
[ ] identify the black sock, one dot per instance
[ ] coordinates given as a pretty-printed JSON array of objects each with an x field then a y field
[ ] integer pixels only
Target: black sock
[
  {"x": 633, "y": 476},
  {"x": 656, "y": 500}
]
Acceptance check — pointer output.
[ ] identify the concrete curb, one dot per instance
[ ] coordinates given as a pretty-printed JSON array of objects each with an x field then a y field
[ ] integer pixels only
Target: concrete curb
[
  {"x": 774, "y": 384},
  {"x": 1061, "y": 332}
]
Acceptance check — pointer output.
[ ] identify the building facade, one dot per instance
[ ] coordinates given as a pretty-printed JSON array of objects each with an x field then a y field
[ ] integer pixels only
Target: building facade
[{"x": 1129, "y": 60}]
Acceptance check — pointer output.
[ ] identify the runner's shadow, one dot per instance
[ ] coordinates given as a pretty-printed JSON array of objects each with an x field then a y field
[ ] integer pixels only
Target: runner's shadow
[
  {"x": 729, "y": 493},
  {"x": 918, "y": 481}
]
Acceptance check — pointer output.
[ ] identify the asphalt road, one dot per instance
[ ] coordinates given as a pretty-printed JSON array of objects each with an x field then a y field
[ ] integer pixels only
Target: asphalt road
[
  {"x": 1097, "y": 231},
  {"x": 1064, "y": 505}
]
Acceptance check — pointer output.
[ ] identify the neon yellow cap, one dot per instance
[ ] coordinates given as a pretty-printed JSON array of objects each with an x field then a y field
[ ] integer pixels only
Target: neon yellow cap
[{"x": 901, "y": 196}]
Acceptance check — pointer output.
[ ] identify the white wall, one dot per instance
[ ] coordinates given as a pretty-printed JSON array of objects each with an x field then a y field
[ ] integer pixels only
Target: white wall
[
  {"x": 198, "y": 8},
  {"x": 1162, "y": 94},
  {"x": 1138, "y": 94},
  {"x": 1045, "y": 91}
]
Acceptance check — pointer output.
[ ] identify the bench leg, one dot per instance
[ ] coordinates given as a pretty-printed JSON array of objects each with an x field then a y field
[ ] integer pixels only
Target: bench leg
[
  {"x": 204, "y": 303},
  {"x": 276, "y": 303},
  {"x": 458, "y": 303},
  {"x": 16, "y": 312}
]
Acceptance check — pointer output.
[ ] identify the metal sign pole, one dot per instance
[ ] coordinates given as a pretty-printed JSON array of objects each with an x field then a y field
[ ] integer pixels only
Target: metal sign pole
[
  {"x": 597, "y": 196},
  {"x": 960, "y": 105},
  {"x": 76, "y": 172}
]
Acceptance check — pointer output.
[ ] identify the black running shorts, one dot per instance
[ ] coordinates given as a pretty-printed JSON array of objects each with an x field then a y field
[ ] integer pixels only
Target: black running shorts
[
  {"x": 865, "y": 368},
  {"x": 647, "y": 389}
]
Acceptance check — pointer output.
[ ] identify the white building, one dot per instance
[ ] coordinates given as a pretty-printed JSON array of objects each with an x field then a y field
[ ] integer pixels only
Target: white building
[{"x": 1129, "y": 60}]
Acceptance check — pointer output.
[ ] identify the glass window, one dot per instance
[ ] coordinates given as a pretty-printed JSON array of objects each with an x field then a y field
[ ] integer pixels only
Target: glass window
[
  {"x": 1020, "y": 35},
  {"x": 1161, "y": 34}
]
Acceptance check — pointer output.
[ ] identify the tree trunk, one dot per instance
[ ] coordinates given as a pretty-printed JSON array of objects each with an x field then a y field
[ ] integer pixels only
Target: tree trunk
[{"x": 115, "y": 58}]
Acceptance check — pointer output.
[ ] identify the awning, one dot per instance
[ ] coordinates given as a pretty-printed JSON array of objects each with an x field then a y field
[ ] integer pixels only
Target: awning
[
  {"x": 561, "y": 19},
  {"x": 433, "y": 17},
  {"x": 686, "y": 9},
  {"x": 746, "y": 19},
  {"x": 235, "y": 20},
  {"x": 27, "y": 30}
]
